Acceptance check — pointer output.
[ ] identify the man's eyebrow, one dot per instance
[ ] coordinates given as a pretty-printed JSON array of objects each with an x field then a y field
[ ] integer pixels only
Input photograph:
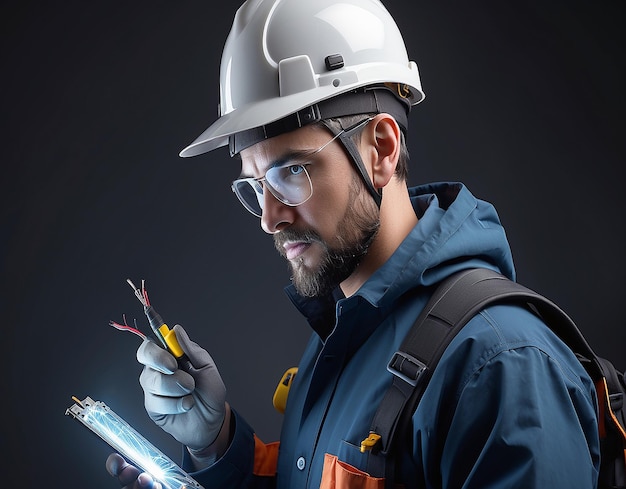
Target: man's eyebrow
[{"x": 293, "y": 154}]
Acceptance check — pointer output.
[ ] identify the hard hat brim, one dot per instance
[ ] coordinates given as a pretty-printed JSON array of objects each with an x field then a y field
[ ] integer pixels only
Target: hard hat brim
[{"x": 267, "y": 111}]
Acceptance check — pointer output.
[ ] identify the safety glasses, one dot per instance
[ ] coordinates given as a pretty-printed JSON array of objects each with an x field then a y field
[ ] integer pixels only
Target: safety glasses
[{"x": 288, "y": 180}]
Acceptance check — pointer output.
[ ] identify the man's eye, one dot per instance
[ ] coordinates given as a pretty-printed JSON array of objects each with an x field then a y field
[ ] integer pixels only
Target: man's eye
[{"x": 295, "y": 169}]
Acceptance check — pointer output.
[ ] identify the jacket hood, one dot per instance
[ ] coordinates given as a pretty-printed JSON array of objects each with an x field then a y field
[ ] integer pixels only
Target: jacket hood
[{"x": 455, "y": 231}]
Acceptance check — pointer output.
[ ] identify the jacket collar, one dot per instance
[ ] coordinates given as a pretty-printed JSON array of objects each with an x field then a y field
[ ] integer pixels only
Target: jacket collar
[{"x": 455, "y": 231}]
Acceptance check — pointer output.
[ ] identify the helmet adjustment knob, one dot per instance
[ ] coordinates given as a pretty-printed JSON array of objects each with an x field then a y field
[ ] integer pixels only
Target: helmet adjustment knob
[{"x": 334, "y": 62}]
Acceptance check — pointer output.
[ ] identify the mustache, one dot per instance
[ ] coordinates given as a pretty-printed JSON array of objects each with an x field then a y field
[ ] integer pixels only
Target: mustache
[{"x": 305, "y": 236}]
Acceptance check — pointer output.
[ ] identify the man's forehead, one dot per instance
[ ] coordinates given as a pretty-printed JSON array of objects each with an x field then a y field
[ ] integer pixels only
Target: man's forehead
[{"x": 256, "y": 159}]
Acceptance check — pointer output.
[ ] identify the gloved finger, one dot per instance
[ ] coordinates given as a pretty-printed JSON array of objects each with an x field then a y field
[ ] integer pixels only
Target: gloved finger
[
  {"x": 210, "y": 388},
  {"x": 152, "y": 355},
  {"x": 161, "y": 405},
  {"x": 145, "y": 481},
  {"x": 128, "y": 475},
  {"x": 177, "y": 384},
  {"x": 198, "y": 356},
  {"x": 167, "y": 394}
]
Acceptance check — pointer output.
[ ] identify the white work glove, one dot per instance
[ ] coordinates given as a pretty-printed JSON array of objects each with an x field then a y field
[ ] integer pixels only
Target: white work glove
[
  {"x": 188, "y": 404},
  {"x": 129, "y": 476}
]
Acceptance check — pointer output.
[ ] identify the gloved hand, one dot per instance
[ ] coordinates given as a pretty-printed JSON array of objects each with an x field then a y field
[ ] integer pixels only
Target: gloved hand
[
  {"x": 189, "y": 405},
  {"x": 128, "y": 475}
]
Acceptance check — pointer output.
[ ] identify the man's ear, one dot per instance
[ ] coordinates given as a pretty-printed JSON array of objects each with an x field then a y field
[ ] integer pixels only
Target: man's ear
[{"x": 384, "y": 152}]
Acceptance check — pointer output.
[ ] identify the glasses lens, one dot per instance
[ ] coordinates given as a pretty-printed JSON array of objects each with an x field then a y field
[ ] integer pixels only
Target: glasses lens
[
  {"x": 250, "y": 193},
  {"x": 289, "y": 184}
]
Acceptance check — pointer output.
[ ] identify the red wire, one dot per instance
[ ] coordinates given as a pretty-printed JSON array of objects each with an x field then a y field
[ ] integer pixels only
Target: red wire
[{"x": 126, "y": 327}]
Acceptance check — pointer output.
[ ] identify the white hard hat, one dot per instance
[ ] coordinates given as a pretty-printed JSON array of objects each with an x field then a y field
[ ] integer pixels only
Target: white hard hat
[{"x": 287, "y": 63}]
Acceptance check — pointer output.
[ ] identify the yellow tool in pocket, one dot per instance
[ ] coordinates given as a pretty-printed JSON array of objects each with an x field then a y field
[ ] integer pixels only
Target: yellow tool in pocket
[{"x": 282, "y": 390}]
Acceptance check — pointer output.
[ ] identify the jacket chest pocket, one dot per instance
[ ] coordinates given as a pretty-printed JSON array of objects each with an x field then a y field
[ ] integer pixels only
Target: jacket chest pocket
[{"x": 341, "y": 475}]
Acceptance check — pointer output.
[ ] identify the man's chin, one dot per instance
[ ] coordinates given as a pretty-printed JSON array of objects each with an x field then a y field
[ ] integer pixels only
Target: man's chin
[
  {"x": 308, "y": 283},
  {"x": 316, "y": 283}
]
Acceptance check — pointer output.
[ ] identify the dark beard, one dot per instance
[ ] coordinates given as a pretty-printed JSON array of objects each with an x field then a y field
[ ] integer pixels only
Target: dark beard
[{"x": 358, "y": 229}]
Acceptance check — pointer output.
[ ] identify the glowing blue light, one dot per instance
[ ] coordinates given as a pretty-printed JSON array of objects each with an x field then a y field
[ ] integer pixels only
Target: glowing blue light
[{"x": 99, "y": 418}]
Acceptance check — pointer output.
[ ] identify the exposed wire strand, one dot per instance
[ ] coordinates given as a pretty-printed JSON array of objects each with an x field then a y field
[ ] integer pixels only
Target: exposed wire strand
[
  {"x": 126, "y": 327},
  {"x": 140, "y": 294},
  {"x": 144, "y": 292}
]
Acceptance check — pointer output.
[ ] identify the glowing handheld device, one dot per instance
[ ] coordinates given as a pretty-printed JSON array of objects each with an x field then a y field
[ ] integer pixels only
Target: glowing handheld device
[{"x": 100, "y": 419}]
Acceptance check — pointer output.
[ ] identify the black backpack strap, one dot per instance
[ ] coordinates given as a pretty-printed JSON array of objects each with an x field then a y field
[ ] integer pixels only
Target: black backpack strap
[{"x": 456, "y": 300}]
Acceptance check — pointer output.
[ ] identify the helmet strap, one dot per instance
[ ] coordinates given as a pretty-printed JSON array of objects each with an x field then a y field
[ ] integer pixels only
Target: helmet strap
[{"x": 345, "y": 138}]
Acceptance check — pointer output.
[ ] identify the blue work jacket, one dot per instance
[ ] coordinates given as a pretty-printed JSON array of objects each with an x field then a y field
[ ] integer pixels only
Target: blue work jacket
[{"x": 508, "y": 406}]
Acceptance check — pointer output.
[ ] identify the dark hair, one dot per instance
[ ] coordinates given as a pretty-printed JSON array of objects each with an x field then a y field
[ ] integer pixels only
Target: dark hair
[{"x": 402, "y": 169}]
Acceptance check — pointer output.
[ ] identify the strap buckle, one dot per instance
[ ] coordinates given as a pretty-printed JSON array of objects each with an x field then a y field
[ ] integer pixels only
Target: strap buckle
[{"x": 408, "y": 368}]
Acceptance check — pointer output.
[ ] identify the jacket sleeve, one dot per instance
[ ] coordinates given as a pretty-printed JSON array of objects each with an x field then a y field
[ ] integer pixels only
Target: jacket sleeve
[
  {"x": 522, "y": 420},
  {"x": 247, "y": 464}
]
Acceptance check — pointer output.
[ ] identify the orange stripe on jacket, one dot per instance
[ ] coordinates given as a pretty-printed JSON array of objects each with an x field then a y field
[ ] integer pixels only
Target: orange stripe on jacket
[{"x": 265, "y": 457}]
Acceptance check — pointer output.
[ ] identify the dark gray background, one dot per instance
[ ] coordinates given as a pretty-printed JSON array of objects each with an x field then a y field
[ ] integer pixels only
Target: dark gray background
[{"x": 524, "y": 103}]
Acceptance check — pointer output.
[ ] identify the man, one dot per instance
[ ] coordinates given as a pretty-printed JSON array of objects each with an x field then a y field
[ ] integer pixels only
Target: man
[{"x": 315, "y": 99}]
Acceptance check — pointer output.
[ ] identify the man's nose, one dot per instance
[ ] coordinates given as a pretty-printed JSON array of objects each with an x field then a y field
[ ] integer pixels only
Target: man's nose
[{"x": 276, "y": 215}]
